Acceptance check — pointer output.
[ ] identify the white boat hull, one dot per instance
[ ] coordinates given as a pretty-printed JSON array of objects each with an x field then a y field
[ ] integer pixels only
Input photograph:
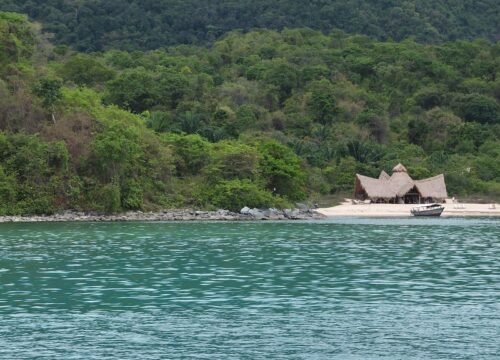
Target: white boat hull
[{"x": 434, "y": 211}]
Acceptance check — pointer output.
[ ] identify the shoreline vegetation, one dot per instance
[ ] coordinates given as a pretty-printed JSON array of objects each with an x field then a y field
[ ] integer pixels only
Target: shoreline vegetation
[{"x": 263, "y": 119}]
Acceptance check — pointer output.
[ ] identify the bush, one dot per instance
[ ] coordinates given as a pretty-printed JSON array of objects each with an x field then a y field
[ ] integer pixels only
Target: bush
[
  {"x": 281, "y": 170},
  {"x": 104, "y": 198},
  {"x": 232, "y": 160},
  {"x": 235, "y": 194},
  {"x": 192, "y": 152},
  {"x": 110, "y": 198},
  {"x": 342, "y": 175},
  {"x": 132, "y": 195},
  {"x": 85, "y": 70},
  {"x": 7, "y": 192}
]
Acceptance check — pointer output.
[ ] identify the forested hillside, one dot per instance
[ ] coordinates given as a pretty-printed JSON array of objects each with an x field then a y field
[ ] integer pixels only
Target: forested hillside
[
  {"x": 95, "y": 25},
  {"x": 260, "y": 119}
]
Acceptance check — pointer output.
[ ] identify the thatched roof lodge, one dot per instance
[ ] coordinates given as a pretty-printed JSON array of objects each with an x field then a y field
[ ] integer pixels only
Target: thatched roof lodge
[{"x": 400, "y": 188}]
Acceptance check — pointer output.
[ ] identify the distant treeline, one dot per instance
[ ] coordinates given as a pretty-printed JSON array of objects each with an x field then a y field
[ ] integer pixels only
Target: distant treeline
[
  {"x": 96, "y": 25},
  {"x": 263, "y": 118}
]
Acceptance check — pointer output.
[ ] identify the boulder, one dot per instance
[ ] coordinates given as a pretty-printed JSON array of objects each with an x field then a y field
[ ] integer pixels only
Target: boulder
[
  {"x": 302, "y": 206},
  {"x": 256, "y": 213},
  {"x": 291, "y": 213}
]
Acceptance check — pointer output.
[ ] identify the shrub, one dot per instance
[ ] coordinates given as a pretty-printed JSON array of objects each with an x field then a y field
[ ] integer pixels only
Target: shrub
[
  {"x": 131, "y": 195},
  {"x": 281, "y": 170},
  {"x": 192, "y": 152},
  {"x": 85, "y": 70},
  {"x": 7, "y": 192},
  {"x": 236, "y": 194},
  {"x": 110, "y": 198}
]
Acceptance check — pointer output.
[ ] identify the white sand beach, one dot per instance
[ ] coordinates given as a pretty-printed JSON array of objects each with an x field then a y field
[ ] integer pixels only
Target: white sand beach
[{"x": 401, "y": 210}]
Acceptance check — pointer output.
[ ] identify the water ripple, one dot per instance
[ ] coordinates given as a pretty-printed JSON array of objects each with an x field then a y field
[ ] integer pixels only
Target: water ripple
[{"x": 347, "y": 289}]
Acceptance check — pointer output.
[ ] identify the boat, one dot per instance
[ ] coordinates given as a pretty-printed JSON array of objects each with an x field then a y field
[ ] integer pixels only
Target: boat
[{"x": 427, "y": 210}]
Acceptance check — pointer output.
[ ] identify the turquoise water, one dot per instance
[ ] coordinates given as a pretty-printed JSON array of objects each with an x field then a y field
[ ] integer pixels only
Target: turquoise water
[{"x": 343, "y": 289}]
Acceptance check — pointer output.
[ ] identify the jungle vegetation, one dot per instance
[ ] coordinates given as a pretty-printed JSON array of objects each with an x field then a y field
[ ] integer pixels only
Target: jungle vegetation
[
  {"x": 97, "y": 25},
  {"x": 261, "y": 118}
]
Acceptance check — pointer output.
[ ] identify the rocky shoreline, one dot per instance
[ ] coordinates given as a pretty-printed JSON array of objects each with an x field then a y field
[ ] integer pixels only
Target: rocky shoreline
[{"x": 245, "y": 214}]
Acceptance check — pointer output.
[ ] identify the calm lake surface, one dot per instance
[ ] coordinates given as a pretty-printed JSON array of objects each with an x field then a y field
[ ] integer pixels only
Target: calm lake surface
[{"x": 339, "y": 289}]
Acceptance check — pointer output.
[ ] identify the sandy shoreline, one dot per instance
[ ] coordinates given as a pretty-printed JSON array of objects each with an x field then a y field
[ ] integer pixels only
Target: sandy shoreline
[
  {"x": 346, "y": 209},
  {"x": 403, "y": 210}
]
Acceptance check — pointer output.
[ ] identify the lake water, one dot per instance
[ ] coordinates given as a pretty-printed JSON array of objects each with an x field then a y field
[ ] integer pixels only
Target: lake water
[{"x": 340, "y": 289}]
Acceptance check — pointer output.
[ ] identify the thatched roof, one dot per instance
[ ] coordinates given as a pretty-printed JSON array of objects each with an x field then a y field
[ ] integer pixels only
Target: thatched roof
[
  {"x": 399, "y": 184},
  {"x": 375, "y": 188},
  {"x": 384, "y": 176},
  {"x": 433, "y": 187},
  {"x": 399, "y": 168}
]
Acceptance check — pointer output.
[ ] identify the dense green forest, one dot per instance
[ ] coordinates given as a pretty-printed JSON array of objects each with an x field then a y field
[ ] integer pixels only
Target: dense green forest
[
  {"x": 96, "y": 25},
  {"x": 263, "y": 118}
]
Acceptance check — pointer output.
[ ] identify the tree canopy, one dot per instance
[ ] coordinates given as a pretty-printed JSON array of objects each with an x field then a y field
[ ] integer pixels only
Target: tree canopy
[
  {"x": 96, "y": 25},
  {"x": 263, "y": 118}
]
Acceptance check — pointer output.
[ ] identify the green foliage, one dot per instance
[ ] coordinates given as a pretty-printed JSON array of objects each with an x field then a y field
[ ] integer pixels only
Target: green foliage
[
  {"x": 404, "y": 153},
  {"x": 340, "y": 175},
  {"x": 49, "y": 91},
  {"x": 376, "y": 124},
  {"x": 159, "y": 121},
  {"x": 480, "y": 108},
  {"x": 428, "y": 98},
  {"x": 133, "y": 24},
  {"x": 138, "y": 89},
  {"x": 232, "y": 160},
  {"x": 132, "y": 195},
  {"x": 17, "y": 41},
  {"x": 318, "y": 182},
  {"x": 115, "y": 150},
  {"x": 109, "y": 198},
  {"x": 85, "y": 70},
  {"x": 236, "y": 194},
  {"x": 172, "y": 86},
  {"x": 282, "y": 171},
  {"x": 362, "y": 151},
  {"x": 322, "y": 103},
  {"x": 8, "y": 192},
  {"x": 433, "y": 129},
  {"x": 29, "y": 171},
  {"x": 262, "y": 118},
  {"x": 283, "y": 76},
  {"x": 134, "y": 89},
  {"x": 191, "y": 151},
  {"x": 470, "y": 136}
]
